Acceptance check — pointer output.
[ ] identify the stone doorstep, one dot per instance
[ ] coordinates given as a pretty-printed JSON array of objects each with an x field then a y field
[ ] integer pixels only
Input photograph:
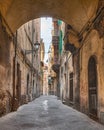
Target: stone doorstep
[{"x": 67, "y": 102}]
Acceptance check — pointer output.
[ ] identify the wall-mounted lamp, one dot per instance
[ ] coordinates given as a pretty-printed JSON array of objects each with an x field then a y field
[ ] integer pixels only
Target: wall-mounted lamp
[
  {"x": 36, "y": 47},
  {"x": 49, "y": 52},
  {"x": 49, "y": 80}
]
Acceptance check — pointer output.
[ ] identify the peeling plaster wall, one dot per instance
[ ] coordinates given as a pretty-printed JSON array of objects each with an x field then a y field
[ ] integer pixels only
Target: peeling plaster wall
[
  {"x": 13, "y": 89},
  {"x": 6, "y": 72},
  {"x": 27, "y": 35},
  {"x": 25, "y": 43},
  {"x": 93, "y": 45}
]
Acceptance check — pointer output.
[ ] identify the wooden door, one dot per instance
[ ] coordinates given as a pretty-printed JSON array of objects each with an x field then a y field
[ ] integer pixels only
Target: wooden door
[
  {"x": 71, "y": 87},
  {"x": 92, "y": 82}
]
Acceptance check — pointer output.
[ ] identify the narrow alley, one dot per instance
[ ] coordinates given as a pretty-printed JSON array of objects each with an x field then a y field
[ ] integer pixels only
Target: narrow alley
[
  {"x": 51, "y": 58},
  {"x": 47, "y": 113}
]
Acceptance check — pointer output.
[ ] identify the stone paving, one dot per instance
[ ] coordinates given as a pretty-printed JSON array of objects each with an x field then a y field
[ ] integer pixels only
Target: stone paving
[{"x": 47, "y": 113}]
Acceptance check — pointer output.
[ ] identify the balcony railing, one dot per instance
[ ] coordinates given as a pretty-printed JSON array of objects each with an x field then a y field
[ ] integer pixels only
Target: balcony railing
[
  {"x": 70, "y": 47},
  {"x": 55, "y": 39}
]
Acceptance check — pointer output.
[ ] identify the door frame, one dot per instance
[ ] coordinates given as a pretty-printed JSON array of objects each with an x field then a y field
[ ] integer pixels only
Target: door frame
[{"x": 92, "y": 59}]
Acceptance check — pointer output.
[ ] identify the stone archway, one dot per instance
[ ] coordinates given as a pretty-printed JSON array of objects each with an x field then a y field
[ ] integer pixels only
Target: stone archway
[{"x": 75, "y": 13}]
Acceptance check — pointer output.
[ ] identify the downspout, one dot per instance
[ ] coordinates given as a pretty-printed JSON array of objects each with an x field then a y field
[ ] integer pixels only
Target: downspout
[
  {"x": 14, "y": 70},
  {"x": 33, "y": 42},
  {"x": 32, "y": 57}
]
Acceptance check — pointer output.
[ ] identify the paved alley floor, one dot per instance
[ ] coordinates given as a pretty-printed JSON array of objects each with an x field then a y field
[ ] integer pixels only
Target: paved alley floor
[{"x": 47, "y": 113}]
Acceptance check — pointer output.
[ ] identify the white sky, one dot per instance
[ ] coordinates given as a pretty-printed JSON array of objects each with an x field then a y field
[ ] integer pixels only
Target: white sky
[{"x": 46, "y": 29}]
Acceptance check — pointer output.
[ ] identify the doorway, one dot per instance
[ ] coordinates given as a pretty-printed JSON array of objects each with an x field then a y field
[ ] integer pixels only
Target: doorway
[
  {"x": 92, "y": 85},
  {"x": 18, "y": 86},
  {"x": 71, "y": 87},
  {"x": 27, "y": 84}
]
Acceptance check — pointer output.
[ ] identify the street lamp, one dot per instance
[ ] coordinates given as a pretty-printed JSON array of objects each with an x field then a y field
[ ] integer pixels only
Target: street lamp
[
  {"x": 36, "y": 47},
  {"x": 49, "y": 80}
]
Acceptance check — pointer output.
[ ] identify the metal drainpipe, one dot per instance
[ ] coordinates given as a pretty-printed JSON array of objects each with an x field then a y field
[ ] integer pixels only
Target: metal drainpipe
[
  {"x": 32, "y": 42},
  {"x": 32, "y": 54},
  {"x": 14, "y": 71}
]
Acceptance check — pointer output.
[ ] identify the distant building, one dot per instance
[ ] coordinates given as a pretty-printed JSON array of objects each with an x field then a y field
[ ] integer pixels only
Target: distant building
[
  {"x": 51, "y": 73},
  {"x": 45, "y": 80}
]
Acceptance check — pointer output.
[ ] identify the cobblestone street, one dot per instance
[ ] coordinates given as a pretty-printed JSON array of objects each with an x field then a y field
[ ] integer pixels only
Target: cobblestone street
[{"x": 47, "y": 113}]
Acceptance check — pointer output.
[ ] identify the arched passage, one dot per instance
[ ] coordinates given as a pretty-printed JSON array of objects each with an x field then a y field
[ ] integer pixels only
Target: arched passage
[
  {"x": 92, "y": 84},
  {"x": 76, "y": 13}
]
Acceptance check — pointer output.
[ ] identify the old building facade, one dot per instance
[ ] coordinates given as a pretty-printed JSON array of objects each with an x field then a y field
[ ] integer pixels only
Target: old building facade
[
  {"x": 81, "y": 69},
  {"x": 56, "y": 60},
  {"x": 19, "y": 67},
  {"x": 29, "y": 60},
  {"x": 41, "y": 73},
  {"x": 86, "y": 75},
  {"x": 45, "y": 80},
  {"x": 51, "y": 74}
]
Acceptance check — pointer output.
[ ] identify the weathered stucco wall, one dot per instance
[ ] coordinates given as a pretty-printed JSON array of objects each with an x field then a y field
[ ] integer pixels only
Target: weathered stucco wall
[
  {"x": 27, "y": 36},
  {"x": 93, "y": 46},
  {"x": 6, "y": 73},
  {"x": 15, "y": 66}
]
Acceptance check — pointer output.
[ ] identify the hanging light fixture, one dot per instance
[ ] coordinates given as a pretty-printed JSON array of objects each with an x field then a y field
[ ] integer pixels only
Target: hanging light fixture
[{"x": 36, "y": 45}]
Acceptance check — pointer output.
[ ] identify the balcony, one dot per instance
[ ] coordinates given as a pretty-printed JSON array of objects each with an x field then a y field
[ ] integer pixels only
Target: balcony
[
  {"x": 70, "y": 47},
  {"x": 55, "y": 39},
  {"x": 56, "y": 67}
]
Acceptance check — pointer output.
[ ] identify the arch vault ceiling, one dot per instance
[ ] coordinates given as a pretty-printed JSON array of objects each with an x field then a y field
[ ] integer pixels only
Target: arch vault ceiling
[{"x": 74, "y": 12}]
